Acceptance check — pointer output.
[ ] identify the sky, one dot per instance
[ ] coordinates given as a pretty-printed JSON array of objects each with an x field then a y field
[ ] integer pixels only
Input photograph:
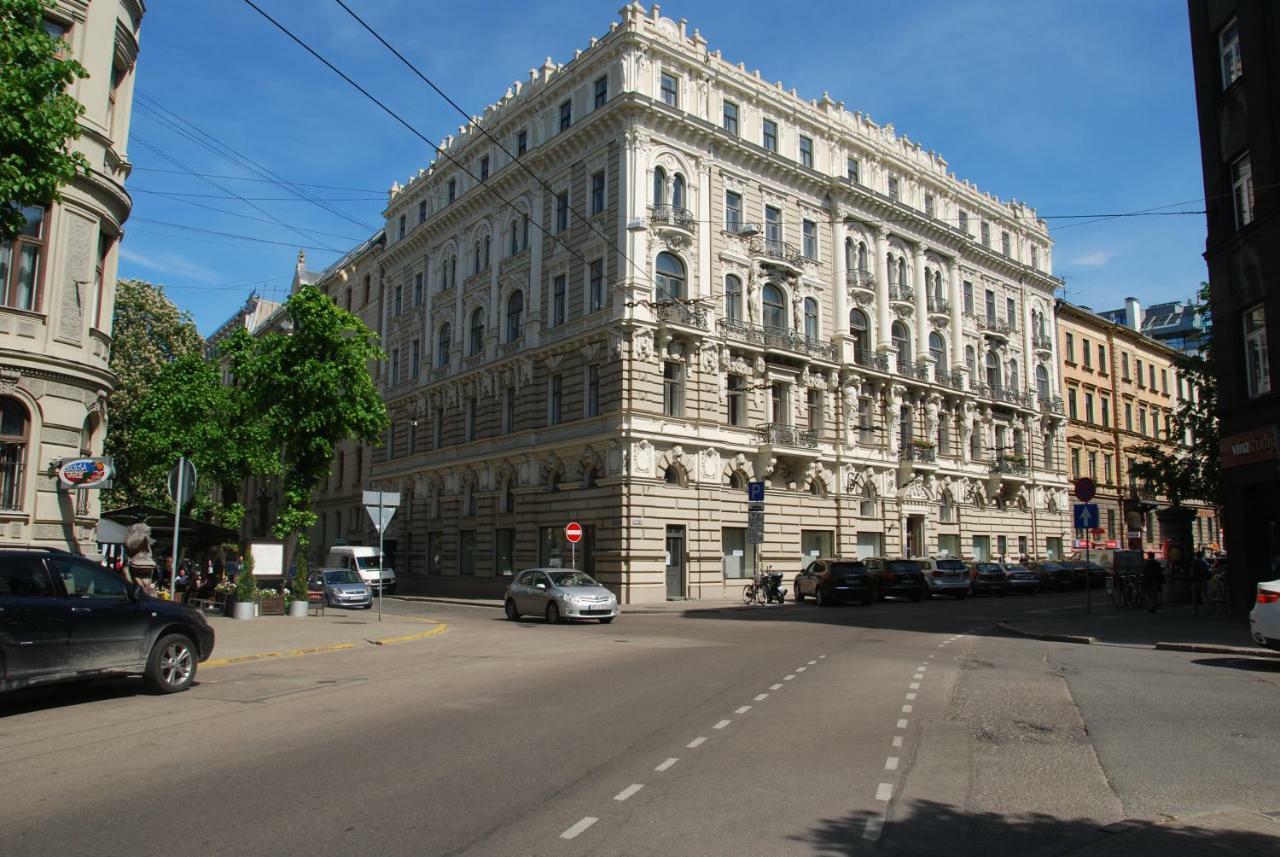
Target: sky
[{"x": 1076, "y": 107}]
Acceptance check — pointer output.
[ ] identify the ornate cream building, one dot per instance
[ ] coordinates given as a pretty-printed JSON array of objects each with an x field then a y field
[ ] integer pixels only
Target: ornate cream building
[
  {"x": 57, "y": 291},
  {"x": 650, "y": 277}
]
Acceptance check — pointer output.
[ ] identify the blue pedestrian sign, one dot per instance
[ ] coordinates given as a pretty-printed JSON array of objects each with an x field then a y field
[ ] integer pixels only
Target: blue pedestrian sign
[
  {"x": 755, "y": 492},
  {"x": 1085, "y": 516}
]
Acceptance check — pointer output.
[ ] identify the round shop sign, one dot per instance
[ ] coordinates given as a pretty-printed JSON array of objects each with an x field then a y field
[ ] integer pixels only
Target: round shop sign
[
  {"x": 85, "y": 472},
  {"x": 573, "y": 531}
]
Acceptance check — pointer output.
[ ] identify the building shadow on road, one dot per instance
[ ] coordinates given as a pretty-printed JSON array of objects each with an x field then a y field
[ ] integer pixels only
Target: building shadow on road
[
  {"x": 1257, "y": 665},
  {"x": 930, "y": 829}
]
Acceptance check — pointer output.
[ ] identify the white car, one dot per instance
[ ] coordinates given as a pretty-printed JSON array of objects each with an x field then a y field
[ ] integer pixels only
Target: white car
[
  {"x": 558, "y": 594},
  {"x": 1264, "y": 621}
]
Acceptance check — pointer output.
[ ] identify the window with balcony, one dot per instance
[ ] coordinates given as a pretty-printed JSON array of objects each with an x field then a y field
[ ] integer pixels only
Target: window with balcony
[
  {"x": 559, "y": 300},
  {"x": 809, "y": 234},
  {"x": 729, "y": 119},
  {"x": 476, "y": 344},
  {"x": 732, "y": 211},
  {"x": 811, "y": 319},
  {"x": 971, "y": 361},
  {"x": 1242, "y": 190},
  {"x": 806, "y": 151},
  {"x": 893, "y": 189},
  {"x": 1257, "y": 368},
  {"x": 1229, "y": 52},
  {"x": 566, "y": 115},
  {"x": 902, "y": 342},
  {"x": 853, "y": 170},
  {"x": 769, "y": 135},
  {"x": 737, "y": 401},
  {"x": 780, "y": 403},
  {"x": 602, "y": 91},
  {"x": 597, "y": 192},
  {"x": 967, "y": 291},
  {"x": 677, "y": 191},
  {"x": 15, "y": 431},
  {"x": 670, "y": 278},
  {"x": 732, "y": 298},
  {"x": 515, "y": 316},
  {"x": 773, "y": 225},
  {"x": 1013, "y": 375},
  {"x": 775, "y": 307},
  {"x": 858, "y": 335},
  {"x": 993, "y": 370},
  {"x": 595, "y": 285},
  {"x": 673, "y": 388},
  {"x": 670, "y": 90}
]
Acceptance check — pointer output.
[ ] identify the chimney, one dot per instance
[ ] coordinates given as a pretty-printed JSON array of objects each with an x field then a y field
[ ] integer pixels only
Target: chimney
[{"x": 1133, "y": 313}]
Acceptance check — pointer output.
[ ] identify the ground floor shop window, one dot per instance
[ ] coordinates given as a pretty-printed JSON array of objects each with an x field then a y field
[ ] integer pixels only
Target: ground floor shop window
[
  {"x": 1053, "y": 548},
  {"x": 1022, "y": 546},
  {"x": 1002, "y": 546},
  {"x": 870, "y": 544},
  {"x": 738, "y": 556},
  {"x": 816, "y": 543},
  {"x": 467, "y": 553},
  {"x": 435, "y": 553},
  {"x": 551, "y": 549},
  {"x": 505, "y": 552},
  {"x": 949, "y": 545},
  {"x": 981, "y": 548}
]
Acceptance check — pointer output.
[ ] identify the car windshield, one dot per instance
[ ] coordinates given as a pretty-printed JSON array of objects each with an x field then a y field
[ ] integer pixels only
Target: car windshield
[
  {"x": 365, "y": 562},
  {"x": 1052, "y": 566},
  {"x": 571, "y": 578},
  {"x": 903, "y": 565},
  {"x": 1016, "y": 568},
  {"x": 342, "y": 575},
  {"x": 950, "y": 565},
  {"x": 988, "y": 566},
  {"x": 848, "y": 568}
]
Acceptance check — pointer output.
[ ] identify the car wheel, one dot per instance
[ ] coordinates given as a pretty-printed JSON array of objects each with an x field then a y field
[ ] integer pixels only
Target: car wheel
[
  {"x": 512, "y": 613},
  {"x": 605, "y": 620},
  {"x": 919, "y": 596},
  {"x": 553, "y": 614},
  {"x": 821, "y": 598},
  {"x": 367, "y": 607},
  {"x": 172, "y": 664},
  {"x": 798, "y": 594}
]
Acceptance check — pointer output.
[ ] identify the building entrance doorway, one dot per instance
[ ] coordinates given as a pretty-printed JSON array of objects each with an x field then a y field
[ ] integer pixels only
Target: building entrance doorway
[
  {"x": 675, "y": 562},
  {"x": 915, "y": 536}
]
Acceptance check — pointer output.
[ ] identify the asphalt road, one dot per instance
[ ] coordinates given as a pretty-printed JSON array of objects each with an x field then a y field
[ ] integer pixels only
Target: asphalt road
[{"x": 899, "y": 728}]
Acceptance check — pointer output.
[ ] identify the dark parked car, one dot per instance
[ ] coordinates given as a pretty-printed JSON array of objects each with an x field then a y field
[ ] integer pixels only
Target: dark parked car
[
  {"x": 1054, "y": 575},
  {"x": 63, "y": 618},
  {"x": 1021, "y": 579},
  {"x": 900, "y": 577},
  {"x": 1091, "y": 571},
  {"x": 832, "y": 580},
  {"x": 989, "y": 578}
]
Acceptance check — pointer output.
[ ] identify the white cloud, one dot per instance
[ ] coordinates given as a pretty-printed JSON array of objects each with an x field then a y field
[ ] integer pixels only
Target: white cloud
[
  {"x": 1096, "y": 259},
  {"x": 169, "y": 263}
]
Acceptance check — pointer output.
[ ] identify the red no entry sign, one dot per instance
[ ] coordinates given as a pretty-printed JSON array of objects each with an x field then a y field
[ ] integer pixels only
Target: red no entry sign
[{"x": 573, "y": 531}]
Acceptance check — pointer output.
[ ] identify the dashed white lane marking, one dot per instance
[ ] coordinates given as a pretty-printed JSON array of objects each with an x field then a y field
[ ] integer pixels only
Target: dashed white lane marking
[
  {"x": 722, "y": 724},
  {"x": 902, "y": 723},
  {"x": 579, "y": 827},
  {"x": 628, "y": 791},
  {"x": 788, "y": 677},
  {"x": 931, "y": 656},
  {"x": 820, "y": 657},
  {"x": 915, "y": 685},
  {"x": 801, "y": 669},
  {"x": 761, "y": 697},
  {"x": 696, "y": 742},
  {"x": 897, "y": 740},
  {"x": 667, "y": 764},
  {"x": 775, "y": 687},
  {"x": 872, "y": 831},
  {"x": 742, "y": 710},
  {"x": 884, "y": 791},
  {"x": 918, "y": 676},
  {"x": 906, "y": 709},
  {"x": 911, "y": 696},
  {"x": 922, "y": 668},
  {"x": 811, "y": 663},
  {"x": 891, "y": 763}
]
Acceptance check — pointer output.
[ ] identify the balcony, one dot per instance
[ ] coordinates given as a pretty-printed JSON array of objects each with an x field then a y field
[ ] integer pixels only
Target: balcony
[
  {"x": 777, "y": 337},
  {"x": 771, "y": 434},
  {"x": 678, "y": 313},
  {"x": 673, "y": 215},
  {"x": 871, "y": 360},
  {"x": 1010, "y": 466},
  {"x": 860, "y": 279},
  {"x": 918, "y": 452},
  {"x": 1042, "y": 342},
  {"x": 939, "y": 306},
  {"x": 918, "y": 371},
  {"x": 1011, "y": 396},
  {"x": 778, "y": 254},
  {"x": 954, "y": 380},
  {"x": 901, "y": 294},
  {"x": 1051, "y": 405},
  {"x": 996, "y": 328}
]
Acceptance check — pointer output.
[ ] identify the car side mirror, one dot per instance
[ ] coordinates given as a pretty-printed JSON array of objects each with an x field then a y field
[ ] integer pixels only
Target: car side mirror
[{"x": 541, "y": 585}]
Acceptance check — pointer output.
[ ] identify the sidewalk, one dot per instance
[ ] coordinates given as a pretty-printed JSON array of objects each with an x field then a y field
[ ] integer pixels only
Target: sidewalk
[
  {"x": 266, "y": 637},
  {"x": 1175, "y": 625},
  {"x": 708, "y": 605}
]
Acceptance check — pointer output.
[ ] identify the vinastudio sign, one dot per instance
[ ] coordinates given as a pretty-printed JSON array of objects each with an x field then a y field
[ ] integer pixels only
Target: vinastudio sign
[{"x": 94, "y": 472}]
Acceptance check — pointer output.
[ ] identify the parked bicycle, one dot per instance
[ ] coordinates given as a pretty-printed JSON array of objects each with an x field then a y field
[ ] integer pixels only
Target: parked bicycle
[
  {"x": 766, "y": 588},
  {"x": 1126, "y": 591}
]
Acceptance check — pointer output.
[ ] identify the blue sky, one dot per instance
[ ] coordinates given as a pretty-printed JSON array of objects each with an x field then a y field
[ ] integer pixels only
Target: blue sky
[{"x": 1075, "y": 107}]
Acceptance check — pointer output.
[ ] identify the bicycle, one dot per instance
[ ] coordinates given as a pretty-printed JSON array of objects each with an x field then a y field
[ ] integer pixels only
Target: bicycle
[{"x": 1126, "y": 591}]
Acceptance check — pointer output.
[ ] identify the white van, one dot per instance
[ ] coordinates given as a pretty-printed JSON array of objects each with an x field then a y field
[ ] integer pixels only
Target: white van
[{"x": 365, "y": 561}]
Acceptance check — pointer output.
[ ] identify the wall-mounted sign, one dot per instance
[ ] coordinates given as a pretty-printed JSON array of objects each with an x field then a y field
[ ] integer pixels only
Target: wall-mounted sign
[
  {"x": 91, "y": 472},
  {"x": 1250, "y": 447}
]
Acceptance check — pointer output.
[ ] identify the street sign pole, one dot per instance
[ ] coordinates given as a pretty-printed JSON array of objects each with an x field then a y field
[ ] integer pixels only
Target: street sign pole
[
  {"x": 382, "y": 560},
  {"x": 177, "y": 525}
]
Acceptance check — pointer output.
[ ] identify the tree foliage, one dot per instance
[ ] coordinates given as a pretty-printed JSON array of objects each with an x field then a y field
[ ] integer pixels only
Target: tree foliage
[
  {"x": 149, "y": 333},
  {"x": 38, "y": 116},
  {"x": 1189, "y": 473}
]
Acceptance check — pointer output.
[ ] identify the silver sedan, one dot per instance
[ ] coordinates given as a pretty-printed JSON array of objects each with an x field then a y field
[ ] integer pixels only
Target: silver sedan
[{"x": 558, "y": 593}]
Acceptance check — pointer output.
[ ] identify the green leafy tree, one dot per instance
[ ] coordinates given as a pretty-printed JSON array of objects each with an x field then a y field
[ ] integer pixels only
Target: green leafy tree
[
  {"x": 149, "y": 333},
  {"x": 1189, "y": 472},
  {"x": 38, "y": 116}
]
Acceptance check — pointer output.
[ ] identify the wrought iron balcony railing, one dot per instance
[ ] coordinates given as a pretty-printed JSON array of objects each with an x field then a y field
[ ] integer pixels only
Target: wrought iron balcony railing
[
  {"x": 771, "y": 248},
  {"x": 997, "y": 326},
  {"x": 1051, "y": 405},
  {"x": 673, "y": 215},
  {"x": 678, "y": 313},
  {"x": 940, "y": 306},
  {"x": 860, "y": 279},
  {"x": 918, "y": 452},
  {"x": 780, "y": 435},
  {"x": 777, "y": 337},
  {"x": 1009, "y": 466},
  {"x": 879, "y": 362},
  {"x": 919, "y": 371},
  {"x": 899, "y": 292},
  {"x": 954, "y": 380}
]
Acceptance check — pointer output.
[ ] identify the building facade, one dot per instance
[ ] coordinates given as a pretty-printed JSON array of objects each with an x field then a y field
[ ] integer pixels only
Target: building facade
[
  {"x": 648, "y": 277},
  {"x": 1234, "y": 49},
  {"x": 1121, "y": 390},
  {"x": 57, "y": 291}
]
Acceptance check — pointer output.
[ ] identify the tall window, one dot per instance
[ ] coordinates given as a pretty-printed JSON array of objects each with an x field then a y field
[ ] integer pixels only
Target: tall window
[
  {"x": 1242, "y": 190},
  {"x": 508, "y": 411},
  {"x": 769, "y": 135},
  {"x": 737, "y": 414},
  {"x": 14, "y": 432},
  {"x": 670, "y": 90},
  {"x": 991, "y": 306},
  {"x": 971, "y": 361},
  {"x": 813, "y": 402},
  {"x": 597, "y": 192},
  {"x": 902, "y": 342},
  {"x": 591, "y": 393},
  {"x": 1011, "y": 311},
  {"x": 775, "y": 307},
  {"x": 559, "y": 300},
  {"x": 1072, "y": 410},
  {"x": 443, "y": 346},
  {"x": 659, "y": 186},
  {"x": 555, "y": 394},
  {"x": 732, "y": 298},
  {"x": 522, "y": 143},
  {"x": 677, "y": 191},
  {"x": 1128, "y": 416},
  {"x": 595, "y": 286},
  {"x": 1085, "y": 353},
  {"x": 20, "y": 259},
  {"x": 562, "y": 211},
  {"x": 470, "y": 419},
  {"x": 732, "y": 211},
  {"x": 484, "y": 168},
  {"x": 477, "y": 331},
  {"x": 673, "y": 388},
  {"x": 810, "y": 319},
  {"x": 964, "y": 221},
  {"x": 402, "y": 226},
  {"x": 772, "y": 225},
  {"x": 415, "y": 358},
  {"x": 1256, "y": 362},
  {"x": 1104, "y": 413},
  {"x": 1071, "y": 348},
  {"x": 866, "y": 428},
  {"x": 929, "y": 205},
  {"x": 100, "y": 286},
  {"x": 1088, "y": 407},
  {"x": 780, "y": 403},
  {"x": 967, "y": 289},
  {"x": 894, "y": 192},
  {"x": 809, "y": 233},
  {"x": 858, "y": 333},
  {"x": 515, "y": 316},
  {"x": 670, "y": 278},
  {"x": 1229, "y": 50},
  {"x": 730, "y": 120},
  {"x": 867, "y": 503},
  {"x": 993, "y": 370},
  {"x": 852, "y": 170},
  {"x": 1042, "y": 383},
  {"x": 985, "y": 231},
  {"x": 417, "y": 289},
  {"x": 1049, "y": 458},
  {"x": 1005, "y": 244},
  {"x": 566, "y": 115},
  {"x": 602, "y": 91},
  {"x": 937, "y": 350},
  {"x": 806, "y": 152},
  {"x": 453, "y": 189}
]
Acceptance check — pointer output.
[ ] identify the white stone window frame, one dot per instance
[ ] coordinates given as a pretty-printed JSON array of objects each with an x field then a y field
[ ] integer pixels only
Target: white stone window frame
[
  {"x": 1257, "y": 361},
  {"x": 1230, "y": 61},
  {"x": 1242, "y": 190}
]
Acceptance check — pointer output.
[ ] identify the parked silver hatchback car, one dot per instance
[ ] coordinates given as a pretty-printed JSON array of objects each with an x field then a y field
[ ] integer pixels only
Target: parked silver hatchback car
[{"x": 559, "y": 593}]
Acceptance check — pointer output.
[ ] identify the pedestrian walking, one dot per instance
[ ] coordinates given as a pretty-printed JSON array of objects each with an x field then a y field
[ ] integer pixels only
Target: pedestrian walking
[
  {"x": 1152, "y": 581},
  {"x": 1200, "y": 575}
]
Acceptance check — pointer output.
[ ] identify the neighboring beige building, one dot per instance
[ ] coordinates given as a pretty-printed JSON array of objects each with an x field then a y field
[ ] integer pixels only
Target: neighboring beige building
[
  {"x": 1121, "y": 390},
  {"x": 57, "y": 291},
  {"x": 706, "y": 280}
]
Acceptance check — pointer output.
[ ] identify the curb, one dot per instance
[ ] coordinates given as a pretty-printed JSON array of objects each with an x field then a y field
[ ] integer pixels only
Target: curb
[
  {"x": 316, "y": 650},
  {"x": 1214, "y": 649},
  {"x": 1048, "y": 638},
  {"x": 430, "y": 599}
]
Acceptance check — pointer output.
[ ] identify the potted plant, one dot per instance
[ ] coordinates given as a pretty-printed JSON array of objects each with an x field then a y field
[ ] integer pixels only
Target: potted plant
[
  {"x": 270, "y": 602},
  {"x": 246, "y": 591},
  {"x": 297, "y": 591}
]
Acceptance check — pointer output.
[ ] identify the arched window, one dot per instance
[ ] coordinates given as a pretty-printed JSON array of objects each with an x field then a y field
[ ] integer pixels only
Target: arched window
[
  {"x": 737, "y": 480},
  {"x": 937, "y": 287},
  {"x": 893, "y": 270},
  {"x": 670, "y": 277},
  {"x": 862, "y": 256},
  {"x": 443, "y": 346},
  {"x": 850, "y": 254},
  {"x": 775, "y": 307},
  {"x": 732, "y": 298},
  {"x": 1042, "y": 383},
  {"x": 971, "y": 360},
  {"x": 858, "y": 332},
  {"x": 817, "y": 488},
  {"x": 15, "y": 427},
  {"x": 677, "y": 191},
  {"x": 659, "y": 186},
  {"x": 486, "y": 252},
  {"x": 477, "y": 331},
  {"x": 902, "y": 271},
  {"x": 444, "y": 273},
  {"x": 1013, "y": 375},
  {"x": 867, "y": 506},
  {"x": 937, "y": 350},
  {"x": 810, "y": 319},
  {"x": 902, "y": 342},
  {"x": 515, "y": 316},
  {"x": 475, "y": 263},
  {"x": 515, "y": 239},
  {"x": 993, "y": 370}
]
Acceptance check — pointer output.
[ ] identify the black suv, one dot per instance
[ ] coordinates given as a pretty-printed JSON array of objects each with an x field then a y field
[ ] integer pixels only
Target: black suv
[
  {"x": 900, "y": 577},
  {"x": 832, "y": 580},
  {"x": 63, "y": 618}
]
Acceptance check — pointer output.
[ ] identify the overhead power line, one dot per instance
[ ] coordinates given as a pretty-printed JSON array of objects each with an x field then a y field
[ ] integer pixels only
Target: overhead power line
[
  {"x": 252, "y": 238},
  {"x": 383, "y": 193}
]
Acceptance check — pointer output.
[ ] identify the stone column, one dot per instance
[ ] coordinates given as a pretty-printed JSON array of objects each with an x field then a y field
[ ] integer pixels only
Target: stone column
[
  {"x": 957, "y": 322},
  {"x": 494, "y": 315},
  {"x": 533, "y": 308},
  {"x": 882, "y": 338},
  {"x": 922, "y": 302},
  {"x": 839, "y": 288},
  {"x": 703, "y": 288}
]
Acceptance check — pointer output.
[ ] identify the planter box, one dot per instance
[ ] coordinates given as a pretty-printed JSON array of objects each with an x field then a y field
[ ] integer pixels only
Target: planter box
[{"x": 270, "y": 606}]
